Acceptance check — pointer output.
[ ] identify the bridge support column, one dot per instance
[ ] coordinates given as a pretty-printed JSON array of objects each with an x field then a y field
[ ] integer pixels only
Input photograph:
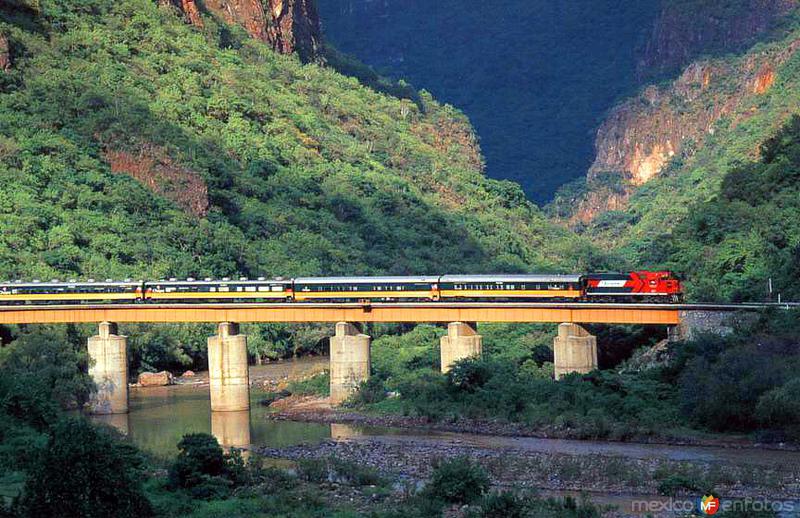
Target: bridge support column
[
  {"x": 228, "y": 374},
  {"x": 574, "y": 350},
  {"x": 350, "y": 361},
  {"x": 462, "y": 341},
  {"x": 108, "y": 352}
]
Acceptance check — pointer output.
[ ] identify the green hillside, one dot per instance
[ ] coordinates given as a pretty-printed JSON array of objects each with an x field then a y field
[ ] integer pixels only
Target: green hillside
[
  {"x": 684, "y": 218},
  {"x": 749, "y": 232},
  {"x": 132, "y": 144}
]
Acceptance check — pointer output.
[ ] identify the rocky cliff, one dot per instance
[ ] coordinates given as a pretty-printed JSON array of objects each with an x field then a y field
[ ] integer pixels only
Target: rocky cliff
[
  {"x": 686, "y": 29},
  {"x": 286, "y": 25},
  {"x": 668, "y": 123},
  {"x": 5, "y": 54}
]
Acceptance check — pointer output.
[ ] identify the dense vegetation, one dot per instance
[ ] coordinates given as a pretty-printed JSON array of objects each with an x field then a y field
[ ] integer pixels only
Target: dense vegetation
[
  {"x": 257, "y": 165},
  {"x": 749, "y": 232},
  {"x": 535, "y": 77},
  {"x": 743, "y": 383},
  {"x": 134, "y": 145}
]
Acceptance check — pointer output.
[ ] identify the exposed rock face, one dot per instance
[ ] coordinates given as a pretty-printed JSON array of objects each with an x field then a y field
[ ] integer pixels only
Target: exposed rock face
[
  {"x": 287, "y": 25},
  {"x": 764, "y": 79},
  {"x": 189, "y": 9},
  {"x": 153, "y": 167},
  {"x": 294, "y": 27},
  {"x": 249, "y": 14},
  {"x": 687, "y": 29},
  {"x": 5, "y": 54},
  {"x": 642, "y": 135}
]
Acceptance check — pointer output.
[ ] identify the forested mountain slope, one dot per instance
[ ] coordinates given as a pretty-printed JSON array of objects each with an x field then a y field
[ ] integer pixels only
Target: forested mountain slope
[
  {"x": 665, "y": 157},
  {"x": 133, "y": 143}
]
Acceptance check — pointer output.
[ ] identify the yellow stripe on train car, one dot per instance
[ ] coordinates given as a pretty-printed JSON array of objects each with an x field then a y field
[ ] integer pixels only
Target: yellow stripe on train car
[
  {"x": 304, "y": 295},
  {"x": 501, "y": 294},
  {"x": 69, "y": 296},
  {"x": 220, "y": 295}
]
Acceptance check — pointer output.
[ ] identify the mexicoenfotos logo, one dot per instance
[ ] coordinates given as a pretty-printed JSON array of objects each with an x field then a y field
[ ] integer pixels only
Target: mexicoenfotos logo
[{"x": 709, "y": 504}]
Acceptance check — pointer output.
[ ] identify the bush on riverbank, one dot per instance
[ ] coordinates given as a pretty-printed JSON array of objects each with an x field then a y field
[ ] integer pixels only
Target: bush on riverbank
[
  {"x": 204, "y": 470},
  {"x": 458, "y": 481}
]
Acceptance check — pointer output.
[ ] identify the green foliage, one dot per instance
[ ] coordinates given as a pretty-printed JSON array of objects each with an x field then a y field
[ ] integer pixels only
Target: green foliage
[
  {"x": 459, "y": 480},
  {"x": 306, "y": 171},
  {"x": 734, "y": 243},
  {"x": 317, "y": 385},
  {"x": 513, "y": 381},
  {"x": 84, "y": 471},
  {"x": 469, "y": 375},
  {"x": 369, "y": 392},
  {"x": 204, "y": 470},
  {"x": 332, "y": 469},
  {"x": 505, "y": 504},
  {"x": 52, "y": 359},
  {"x": 511, "y": 505}
]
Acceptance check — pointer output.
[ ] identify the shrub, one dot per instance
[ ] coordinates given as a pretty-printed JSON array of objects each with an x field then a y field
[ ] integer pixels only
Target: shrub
[
  {"x": 369, "y": 392},
  {"x": 469, "y": 374},
  {"x": 780, "y": 406},
  {"x": 675, "y": 483},
  {"x": 458, "y": 480},
  {"x": 338, "y": 470},
  {"x": 203, "y": 469},
  {"x": 317, "y": 385},
  {"x": 85, "y": 471},
  {"x": 507, "y": 505}
]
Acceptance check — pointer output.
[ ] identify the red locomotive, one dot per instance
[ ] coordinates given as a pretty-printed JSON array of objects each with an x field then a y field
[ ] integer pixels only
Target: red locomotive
[{"x": 641, "y": 286}]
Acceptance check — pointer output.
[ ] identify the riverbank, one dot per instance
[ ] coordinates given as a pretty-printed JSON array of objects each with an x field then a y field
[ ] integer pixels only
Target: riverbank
[
  {"x": 412, "y": 459},
  {"x": 314, "y": 409}
]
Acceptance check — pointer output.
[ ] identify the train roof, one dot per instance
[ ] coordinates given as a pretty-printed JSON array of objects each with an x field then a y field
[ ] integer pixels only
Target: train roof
[
  {"x": 59, "y": 284},
  {"x": 513, "y": 278},
  {"x": 205, "y": 282},
  {"x": 363, "y": 280}
]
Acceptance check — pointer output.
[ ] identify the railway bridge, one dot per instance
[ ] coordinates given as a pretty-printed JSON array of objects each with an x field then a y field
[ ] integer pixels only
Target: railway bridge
[{"x": 575, "y": 350}]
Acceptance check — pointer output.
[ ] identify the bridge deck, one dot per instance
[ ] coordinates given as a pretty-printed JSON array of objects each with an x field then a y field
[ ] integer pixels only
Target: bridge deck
[{"x": 350, "y": 312}]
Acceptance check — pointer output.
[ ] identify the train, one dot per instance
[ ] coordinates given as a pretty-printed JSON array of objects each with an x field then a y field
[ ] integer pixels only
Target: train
[{"x": 631, "y": 287}]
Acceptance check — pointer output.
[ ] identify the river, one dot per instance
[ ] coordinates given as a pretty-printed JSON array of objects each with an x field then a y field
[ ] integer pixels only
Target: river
[{"x": 160, "y": 416}]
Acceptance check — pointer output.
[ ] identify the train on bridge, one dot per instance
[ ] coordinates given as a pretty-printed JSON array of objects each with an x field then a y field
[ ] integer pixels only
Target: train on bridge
[{"x": 632, "y": 287}]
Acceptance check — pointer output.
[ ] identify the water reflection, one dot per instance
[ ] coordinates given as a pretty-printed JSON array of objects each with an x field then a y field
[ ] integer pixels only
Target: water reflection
[
  {"x": 119, "y": 421},
  {"x": 161, "y": 416},
  {"x": 232, "y": 429},
  {"x": 342, "y": 432}
]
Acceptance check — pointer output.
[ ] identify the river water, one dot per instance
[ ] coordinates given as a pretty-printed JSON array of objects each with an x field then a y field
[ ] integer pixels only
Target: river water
[{"x": 160, "y": 416}]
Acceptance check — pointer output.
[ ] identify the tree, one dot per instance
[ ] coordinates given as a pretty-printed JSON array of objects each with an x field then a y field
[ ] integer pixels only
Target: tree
[{"x": 85, "y": 471}]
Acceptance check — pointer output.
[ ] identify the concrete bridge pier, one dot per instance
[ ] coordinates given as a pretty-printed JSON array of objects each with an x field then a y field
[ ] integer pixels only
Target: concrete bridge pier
[
  {"x": 574, "y": 350},
  {"x": 350, "y": 361},
  {"x": 108, "y": 352},
  {"x": 228, "y": 374},
  {"x": 462, "y": 341}
]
